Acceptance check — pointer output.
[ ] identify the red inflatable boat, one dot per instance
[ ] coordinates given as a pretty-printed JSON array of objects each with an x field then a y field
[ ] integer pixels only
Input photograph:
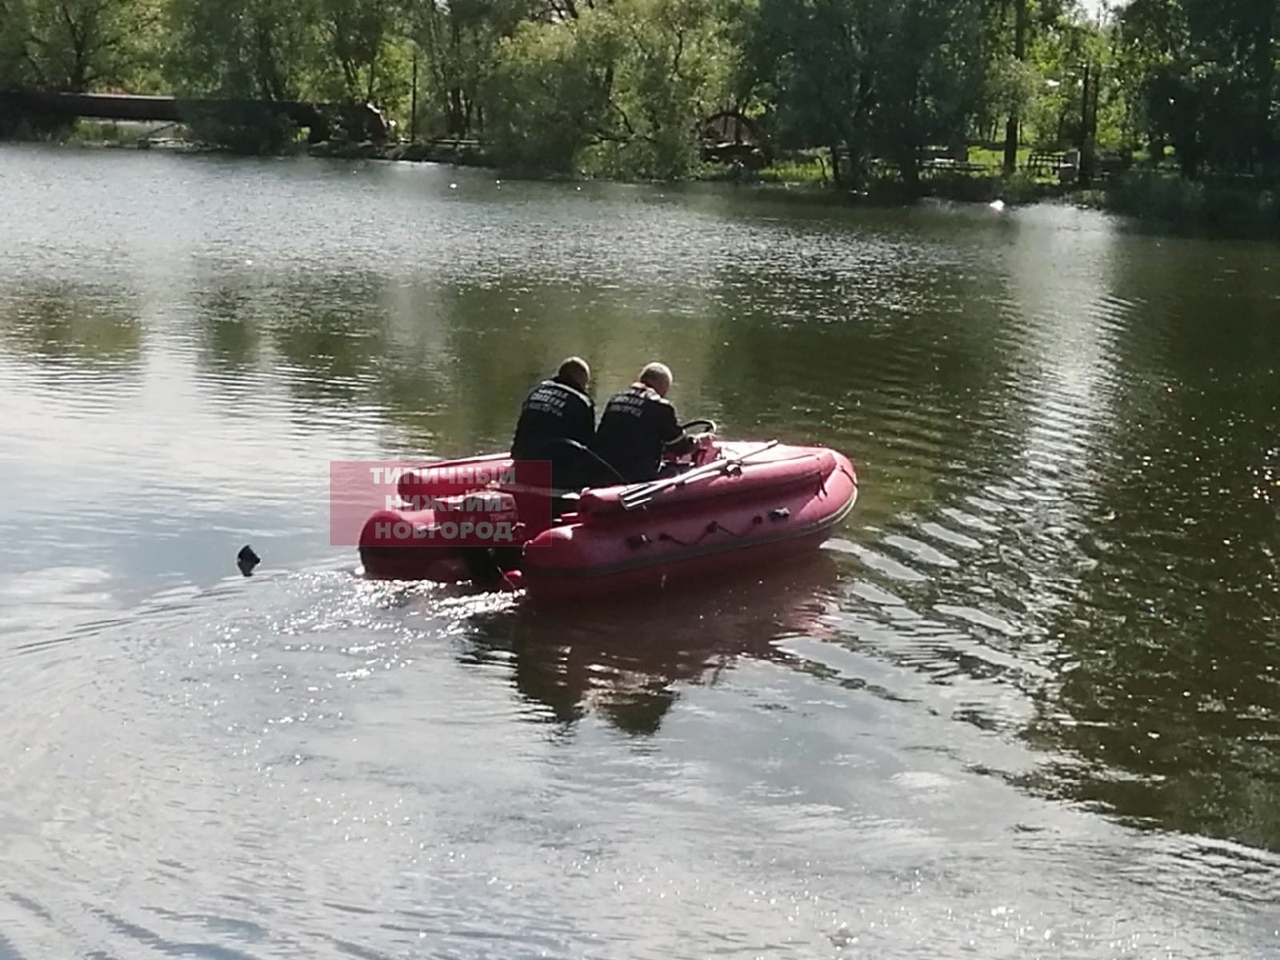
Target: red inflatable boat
[{"x": 734, "y": 504}]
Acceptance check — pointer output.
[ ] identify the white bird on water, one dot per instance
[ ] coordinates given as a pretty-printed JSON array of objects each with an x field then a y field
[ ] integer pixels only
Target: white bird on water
[{"x": 996, "y": 205}]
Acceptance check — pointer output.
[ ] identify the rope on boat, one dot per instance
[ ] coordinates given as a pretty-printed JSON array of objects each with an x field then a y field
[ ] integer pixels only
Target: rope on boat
[{"x": 714, "y": 527}]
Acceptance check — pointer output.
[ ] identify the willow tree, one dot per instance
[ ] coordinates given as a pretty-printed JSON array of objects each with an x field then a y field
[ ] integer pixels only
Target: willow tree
[
  {"x": 673, "y": 69},
  {"x": 618, "y": 89},
  {"x": 549, "y": 92},
  {"x": 15, "y": 68}
]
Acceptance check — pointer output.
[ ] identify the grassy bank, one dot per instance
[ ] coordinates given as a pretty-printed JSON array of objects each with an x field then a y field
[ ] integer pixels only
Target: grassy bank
[
  {"x": 812, "y": 172},
  {"x": 1159, "y": 200}
]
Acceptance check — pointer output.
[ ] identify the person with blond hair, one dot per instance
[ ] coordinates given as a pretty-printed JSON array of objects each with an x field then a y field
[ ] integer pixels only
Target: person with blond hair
[{"x": 639, "y": 425}]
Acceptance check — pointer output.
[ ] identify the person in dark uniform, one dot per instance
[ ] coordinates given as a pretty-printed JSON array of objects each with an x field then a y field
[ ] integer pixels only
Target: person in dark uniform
[
  {"x": 555, "y": 410},
  {"x": 638, "y": 425}
]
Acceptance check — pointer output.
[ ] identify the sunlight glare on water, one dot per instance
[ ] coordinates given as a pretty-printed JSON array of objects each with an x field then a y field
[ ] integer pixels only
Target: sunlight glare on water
[{"x": 1023, "y": 705}]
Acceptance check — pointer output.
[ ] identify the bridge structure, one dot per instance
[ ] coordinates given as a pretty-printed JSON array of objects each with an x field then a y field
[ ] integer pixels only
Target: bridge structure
[{"x": 360, "y": 121}]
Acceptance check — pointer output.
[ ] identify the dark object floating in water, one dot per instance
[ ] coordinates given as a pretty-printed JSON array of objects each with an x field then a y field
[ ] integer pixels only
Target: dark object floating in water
[{"x": 246, "y": 560}]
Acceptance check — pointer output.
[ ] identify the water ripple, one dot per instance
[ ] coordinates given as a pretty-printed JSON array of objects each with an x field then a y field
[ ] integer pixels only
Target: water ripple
[{"x": 1056, "y": 599}]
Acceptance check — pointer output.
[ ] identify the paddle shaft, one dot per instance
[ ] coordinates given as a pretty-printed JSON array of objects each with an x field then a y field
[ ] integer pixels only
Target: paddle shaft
[{"x": 643, "y": 494}]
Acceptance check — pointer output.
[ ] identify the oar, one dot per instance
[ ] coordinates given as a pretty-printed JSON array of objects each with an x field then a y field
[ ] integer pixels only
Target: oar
[
  {"x": 637, "y": 496},
  {"x": 712, "y": 467}
]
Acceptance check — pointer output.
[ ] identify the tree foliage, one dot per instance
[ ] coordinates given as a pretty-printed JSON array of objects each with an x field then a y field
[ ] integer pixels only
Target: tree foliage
[
  {"x": 1204, "y": 74},
  {"x": 618, "y": 86},
  {"x": 458, "y": 42},
  {"x": 243, "y": 48},
  {"x": 74, "y": 45},
  {"x": 550, "y": 92},
  {"x": 879, "y": 77}
]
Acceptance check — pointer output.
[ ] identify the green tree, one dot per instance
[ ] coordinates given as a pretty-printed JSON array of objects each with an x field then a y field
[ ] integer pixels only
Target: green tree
[
  {"x": 549, "y": 92},
  {"x": 1205, "y": 73},
  {"x": 15, "y": 67},
  {"x": 266, "y": 49},
  {"x": 619, "y": 88},
  {"x": 810, "y": 62},
  {"x": 1067, "y": 53},
  {"x": 358, "y": 33},
  {"x": 877, "y": 77},
  {"x": 673, "y": 68},
  {"x": 459, "y": 43},
  {"x": 1018, "y": 95},
  {"x": 931, "y": 74},
  {"x": 74, "y": 45}
]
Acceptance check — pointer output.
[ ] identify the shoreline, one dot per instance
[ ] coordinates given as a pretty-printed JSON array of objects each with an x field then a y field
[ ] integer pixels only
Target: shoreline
[{"x": 1148, "y": 201}]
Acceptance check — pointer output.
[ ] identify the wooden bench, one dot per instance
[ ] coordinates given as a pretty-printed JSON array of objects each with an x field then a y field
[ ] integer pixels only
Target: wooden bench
[{"x": 1045, "y": 163}]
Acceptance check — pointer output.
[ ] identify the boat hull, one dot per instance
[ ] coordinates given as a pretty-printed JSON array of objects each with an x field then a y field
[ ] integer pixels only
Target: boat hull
[
  {"x": 767, "y": 513},
  {"x": 755, "y": 506}
]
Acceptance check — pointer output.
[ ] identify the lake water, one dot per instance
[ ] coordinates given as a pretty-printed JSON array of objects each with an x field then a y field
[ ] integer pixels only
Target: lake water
[{"x": 1026, "y": 704}]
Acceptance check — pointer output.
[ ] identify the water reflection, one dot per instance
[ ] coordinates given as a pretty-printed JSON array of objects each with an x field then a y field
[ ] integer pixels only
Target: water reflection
[
  {"x": 1164, "y": 694},
  {"x": 448, "y": 366},
  {"x": 231, "y": 344},
  {"x": 1168, "y": 704},
  {"x": 92, "y": 328},
  {"x": 1066, "y": 537},
  {"x": 627, "y": 663}
]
